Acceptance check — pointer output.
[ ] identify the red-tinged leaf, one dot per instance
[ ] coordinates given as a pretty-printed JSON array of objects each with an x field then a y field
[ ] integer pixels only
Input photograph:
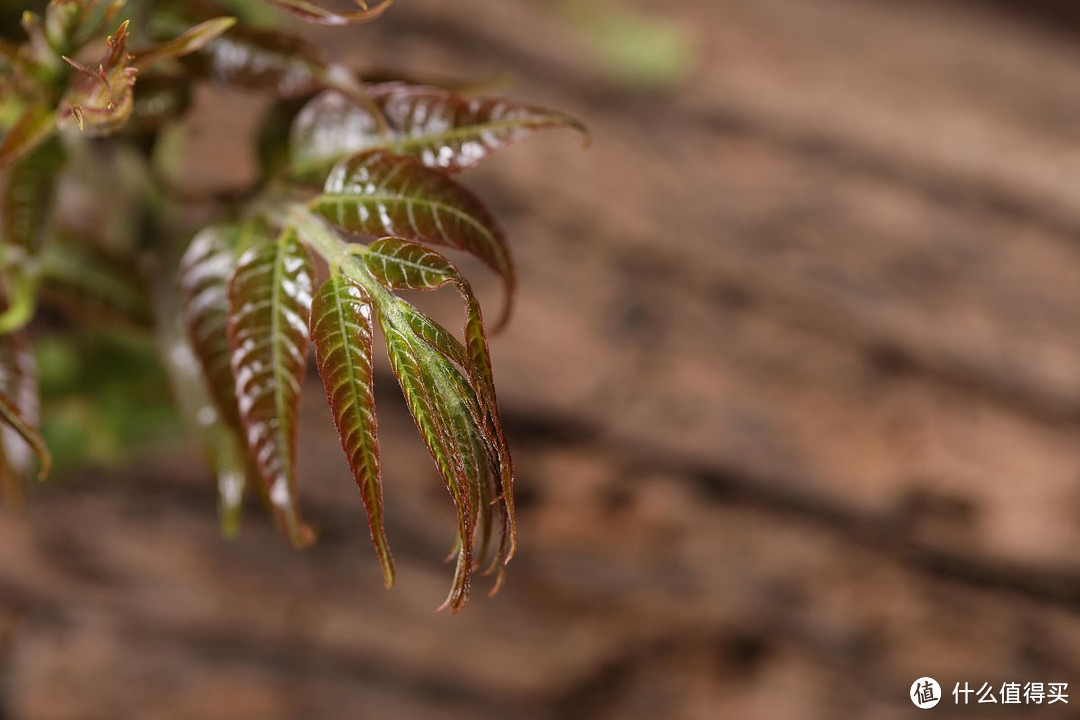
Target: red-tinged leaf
[
  {"x": 100, "y": 99},
  {"x": 312, "y": 13},
  {"x": 435, "y": 413},
  {"x": 269, "y": 305},
  {"x": 440, "y": 128},
  {"x": 266, "y": 60},
  {"x": 32, "y": 128},
  {"x": 260, "y": 60},
  {"x": 203, "y": 278},
  {"x": 377, "y": 194},
  {"x": 341, "y": 327},
  {"x": 27, "y": 191},
  {"x": 400, "y": 264},
  {"x": 189, "y": 41},
  {"x": 18, "y": 380}
]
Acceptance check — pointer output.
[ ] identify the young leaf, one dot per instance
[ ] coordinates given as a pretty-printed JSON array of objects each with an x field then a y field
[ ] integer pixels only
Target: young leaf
[
  {"x": 32, "y": 128},
  {"x": 203, "y": 278},
  {"x": 341, "y": 327},
  {"x": 400, "y": 264},
  {"x": 260, "y": 60},
  {"x": 267, "y": 60},
  {"x": 193, "y": 39},
  {"x": 62, "y": 18},
  {"x": 269, "y": 305},
  {"x": 101, "y": 99},
  {"x": 441, "y": 128},
  {"x": 377, "y": 194},
  {"x": 435, "y": 409},
  {"x": 312, "y": 13}
]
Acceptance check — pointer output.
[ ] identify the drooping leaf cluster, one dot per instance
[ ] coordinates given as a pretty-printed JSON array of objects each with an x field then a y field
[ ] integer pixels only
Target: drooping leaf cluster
[{"x": 355, "y": 200}]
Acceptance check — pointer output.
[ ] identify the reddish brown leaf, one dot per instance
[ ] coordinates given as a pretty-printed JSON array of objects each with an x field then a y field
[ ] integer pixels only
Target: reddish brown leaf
[
  {"x": 440, "y": 128},
  {"x": 377, "y": 194},
  {"x": 269, "y": 305},
  {"x": 341, "y": 327}
]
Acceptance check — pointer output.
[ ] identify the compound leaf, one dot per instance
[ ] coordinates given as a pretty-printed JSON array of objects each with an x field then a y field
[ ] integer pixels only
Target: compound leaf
[
  {"x": 400, "y": 264},
  {"x": 419, "y": 372},
  {"x": 269, "y": 297},
  {"x": 341, "y": 328},
  {"x": 441, "y": 128},
  {"x": 377, "y": 194}
]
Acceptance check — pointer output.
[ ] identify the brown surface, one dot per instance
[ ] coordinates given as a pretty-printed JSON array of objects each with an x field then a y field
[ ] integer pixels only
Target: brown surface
[{"x": 794, "y": 388}]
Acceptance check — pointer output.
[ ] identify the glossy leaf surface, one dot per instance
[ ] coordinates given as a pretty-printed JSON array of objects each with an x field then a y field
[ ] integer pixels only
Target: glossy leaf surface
[
  {"x": 400, "y": 264},
  {"x": 203, "y": 278},
  {"x": 378, "y": 194},
  {"x": 260, "y": 60},
  {"x": 341, "y": 328},
  {"x": 269, "y": 304},
  {"x": 441, "y": 128},
  {"x": 437, "y": 411}
]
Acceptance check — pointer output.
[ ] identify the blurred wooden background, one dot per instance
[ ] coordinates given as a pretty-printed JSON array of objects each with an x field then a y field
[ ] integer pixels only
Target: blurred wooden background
[{"x": 793, "y": 385}]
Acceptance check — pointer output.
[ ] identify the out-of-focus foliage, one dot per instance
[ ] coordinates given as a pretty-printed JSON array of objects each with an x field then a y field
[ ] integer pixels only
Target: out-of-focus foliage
[
  {"x": 636, "y": 49},
  {"x": 356, "y": 184}
]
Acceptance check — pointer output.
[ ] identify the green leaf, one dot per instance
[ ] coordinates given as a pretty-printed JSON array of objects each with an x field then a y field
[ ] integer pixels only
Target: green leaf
[
  {"x": 189, "y": 41},
  {"x": 377, "y": 194},
  {"x": 32, "y": 128},
  {"x": 18, "y": 381},
  {"x": 26, "y": 203},
  {"x": 312, "y": 13},
  {"x": 341, "y": 327},
  {"x": 400, "y": 264},
  {"x": 441, "y": 128},
  {"x": 439, "y": 415},
  {"x": 269, "y": 304}
]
